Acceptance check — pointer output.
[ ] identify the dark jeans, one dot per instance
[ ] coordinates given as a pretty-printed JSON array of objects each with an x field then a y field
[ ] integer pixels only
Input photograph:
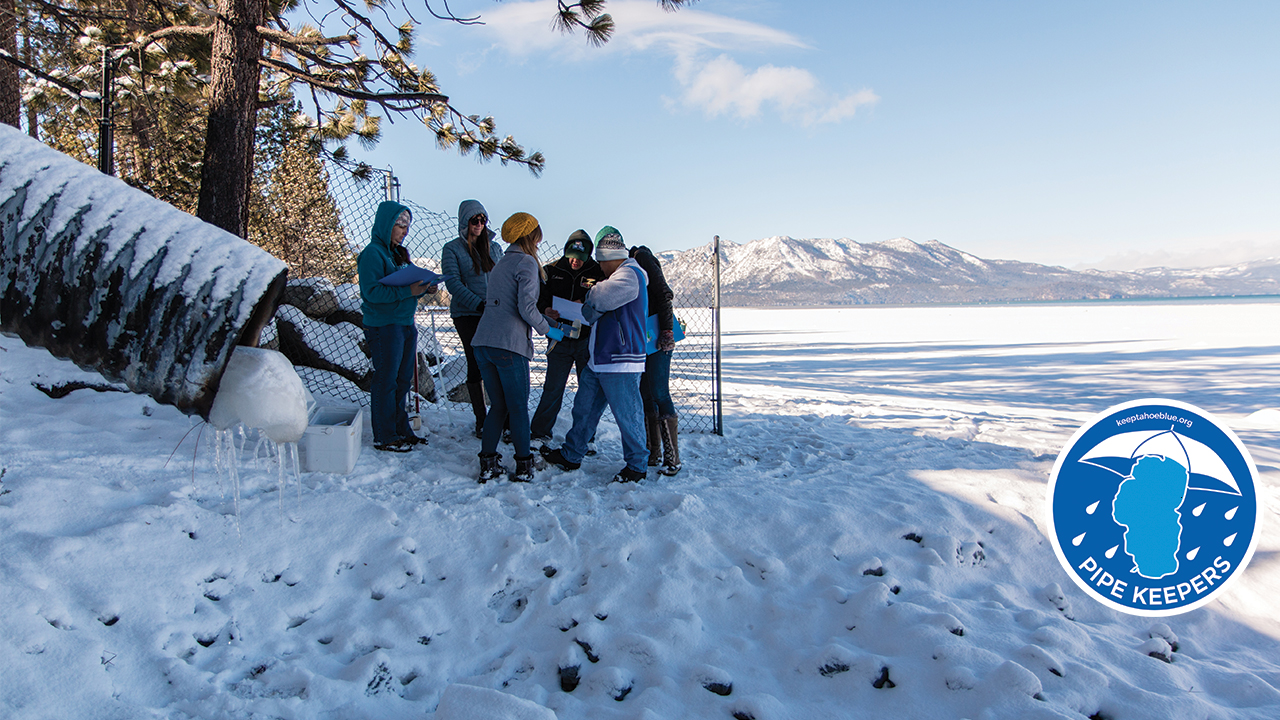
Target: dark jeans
[
  {"x": 506, "y": 379},
  {"x": 466, "y": 326},
  {"x": 393, "y": 351},
  {"x": 655, "y": 385},
  {"x": 560, "y": 360}
]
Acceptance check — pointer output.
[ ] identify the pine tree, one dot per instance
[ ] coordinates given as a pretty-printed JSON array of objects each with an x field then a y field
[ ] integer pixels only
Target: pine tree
[
  {"x": 292, "y": 212},
  {"x": 257, "y": 55}
]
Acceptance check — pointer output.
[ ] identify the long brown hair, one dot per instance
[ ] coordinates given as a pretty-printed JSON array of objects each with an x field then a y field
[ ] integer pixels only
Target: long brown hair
[
  {"x": 529, "y": 244},
  {"x": 481, "y": 261}
]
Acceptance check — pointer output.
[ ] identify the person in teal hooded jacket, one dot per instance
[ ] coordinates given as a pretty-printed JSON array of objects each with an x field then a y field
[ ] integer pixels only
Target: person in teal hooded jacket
[{"x": 389, "y": 329}]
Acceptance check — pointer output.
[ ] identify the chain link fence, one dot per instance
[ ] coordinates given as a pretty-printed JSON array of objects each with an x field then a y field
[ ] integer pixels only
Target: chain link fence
[{"x": 318, "y": 326}]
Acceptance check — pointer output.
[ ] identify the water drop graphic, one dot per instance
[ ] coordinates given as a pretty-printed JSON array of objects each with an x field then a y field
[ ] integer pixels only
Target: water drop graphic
[
  {"x": 1199, "y": 509},
  {"x": 1230, "y": 539},
  {"x": 1232, "y": 512},
  {"x": 1080, "y": 538},
  {"x": 1092, "y": 507},
  {"x": 1192, "y": 555},
  {"x": 1112, "y": 552}
]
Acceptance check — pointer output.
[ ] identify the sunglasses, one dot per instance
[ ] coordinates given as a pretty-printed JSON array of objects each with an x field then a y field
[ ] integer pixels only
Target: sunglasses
[{"x": 478, "y": 220}]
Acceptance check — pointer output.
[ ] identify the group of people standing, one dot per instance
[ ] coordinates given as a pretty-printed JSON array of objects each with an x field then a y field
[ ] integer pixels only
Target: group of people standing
[{"x": 499, "y": 299}]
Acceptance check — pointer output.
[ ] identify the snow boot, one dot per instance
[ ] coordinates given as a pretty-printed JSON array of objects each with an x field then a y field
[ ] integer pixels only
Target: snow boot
[
  {"x": 670, "y": 446},
  {"x": 475, "y": 391},
  {"x": 655, "y": 439},
  {"x": 525, "y": 468},
  {"x": 397, "y": 445},
  {"x": 555, "y": 457},
  {"x": 627, "y": 475},
  {"x": 490, "y": 467}
]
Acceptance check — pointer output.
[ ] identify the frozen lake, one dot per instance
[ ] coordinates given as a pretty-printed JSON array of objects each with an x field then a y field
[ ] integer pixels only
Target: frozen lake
[{"x": 1025, "y": 375}]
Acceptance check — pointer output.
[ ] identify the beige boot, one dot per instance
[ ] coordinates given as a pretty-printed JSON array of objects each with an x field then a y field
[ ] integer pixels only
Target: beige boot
[
  {"x": 667, "y": 426},
  {"x": 655, "y": 439}
]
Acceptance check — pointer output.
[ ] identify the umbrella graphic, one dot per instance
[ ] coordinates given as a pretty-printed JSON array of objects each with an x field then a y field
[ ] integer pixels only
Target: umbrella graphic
[{"x": 1207, "y": 471}]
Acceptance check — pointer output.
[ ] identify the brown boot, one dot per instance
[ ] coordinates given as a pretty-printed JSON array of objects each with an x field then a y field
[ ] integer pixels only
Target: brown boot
[
  {"x": 655, "y": 439},
  {"x": 670, "y": 446}
]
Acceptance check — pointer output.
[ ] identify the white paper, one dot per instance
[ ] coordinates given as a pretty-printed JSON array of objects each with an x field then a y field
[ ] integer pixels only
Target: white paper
[{"x": 568, "y": 309}]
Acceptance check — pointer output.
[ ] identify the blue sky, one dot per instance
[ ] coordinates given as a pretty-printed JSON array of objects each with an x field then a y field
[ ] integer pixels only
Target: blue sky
[{"x": 1117, "y": 134}]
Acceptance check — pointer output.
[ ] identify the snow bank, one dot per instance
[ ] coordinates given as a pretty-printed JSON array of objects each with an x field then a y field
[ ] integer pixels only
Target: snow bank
[{"x": 865, "y": 541}]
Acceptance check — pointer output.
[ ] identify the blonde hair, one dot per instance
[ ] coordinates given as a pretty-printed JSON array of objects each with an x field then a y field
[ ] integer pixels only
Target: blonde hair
[{"x": 529, "y": 244}]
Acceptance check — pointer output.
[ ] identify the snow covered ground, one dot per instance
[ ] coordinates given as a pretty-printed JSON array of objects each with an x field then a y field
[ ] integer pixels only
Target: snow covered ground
[{"x": 867, "y": 540}]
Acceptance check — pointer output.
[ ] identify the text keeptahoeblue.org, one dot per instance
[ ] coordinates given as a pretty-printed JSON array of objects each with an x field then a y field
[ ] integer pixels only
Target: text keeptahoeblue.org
[{"x": 1121, "y": 422}]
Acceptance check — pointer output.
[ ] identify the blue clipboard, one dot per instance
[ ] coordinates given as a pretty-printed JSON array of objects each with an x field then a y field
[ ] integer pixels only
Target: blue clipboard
[
  {"x": 651, "y": 333},
  {"x": 412, "y": 274}
]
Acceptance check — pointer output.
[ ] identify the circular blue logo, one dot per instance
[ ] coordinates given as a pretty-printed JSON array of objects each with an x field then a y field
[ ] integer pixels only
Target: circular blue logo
[{"x": 1153, "y": 507}]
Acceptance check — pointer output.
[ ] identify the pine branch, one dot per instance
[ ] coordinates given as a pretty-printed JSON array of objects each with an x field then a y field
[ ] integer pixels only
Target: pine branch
[
  {"x": 293, "y": 41},
  {"x": 388, "y": 100},
  {"x": 79, "y": 92},
  {"x": 450, "y": 16}
]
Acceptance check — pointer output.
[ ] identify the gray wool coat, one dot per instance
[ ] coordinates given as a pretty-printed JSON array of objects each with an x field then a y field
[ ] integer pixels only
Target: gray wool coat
[{"x": 511, "y": 305}]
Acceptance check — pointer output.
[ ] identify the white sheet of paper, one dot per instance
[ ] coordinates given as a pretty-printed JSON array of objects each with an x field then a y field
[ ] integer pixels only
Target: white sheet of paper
[{"x": 568, "y": 309}]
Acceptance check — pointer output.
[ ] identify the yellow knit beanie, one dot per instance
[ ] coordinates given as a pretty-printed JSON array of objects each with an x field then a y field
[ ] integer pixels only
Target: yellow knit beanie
[{"x": 517, "y": 226}]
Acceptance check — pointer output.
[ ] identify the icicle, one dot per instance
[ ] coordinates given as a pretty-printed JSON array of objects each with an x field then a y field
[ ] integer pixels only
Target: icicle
[
  {"x": 297, "y": 470},
  {"x": 280, "y": 478},
  {"x": 263, "y": 442},
  {"x": 233, "y": 467}
]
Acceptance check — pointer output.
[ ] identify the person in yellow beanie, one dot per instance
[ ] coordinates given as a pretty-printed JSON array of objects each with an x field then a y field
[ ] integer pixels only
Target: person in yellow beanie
[{"x": 503, "y": 345}]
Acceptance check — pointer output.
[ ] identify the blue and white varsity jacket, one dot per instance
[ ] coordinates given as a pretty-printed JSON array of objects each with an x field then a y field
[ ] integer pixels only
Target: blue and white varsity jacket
[{"x": 616, "y": 308}]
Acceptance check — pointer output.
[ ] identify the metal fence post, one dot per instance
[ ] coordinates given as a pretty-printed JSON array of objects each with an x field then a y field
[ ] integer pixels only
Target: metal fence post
[
  {"x": 715, "y": 328},
  {"x": 106, "y": 129},
  {"x": 392, "y": 184}
]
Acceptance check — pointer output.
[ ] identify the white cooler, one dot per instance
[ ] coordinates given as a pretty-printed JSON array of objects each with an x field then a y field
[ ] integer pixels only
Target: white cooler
[{"x": 331, "y": 442}]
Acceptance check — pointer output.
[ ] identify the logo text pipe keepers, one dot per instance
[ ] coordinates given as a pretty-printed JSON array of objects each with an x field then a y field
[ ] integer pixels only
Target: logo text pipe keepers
[{"x": 1153, "y": 507}]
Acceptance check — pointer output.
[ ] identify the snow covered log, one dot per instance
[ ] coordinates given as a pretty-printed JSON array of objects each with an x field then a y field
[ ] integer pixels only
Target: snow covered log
[{"x": 121, "y": 283}]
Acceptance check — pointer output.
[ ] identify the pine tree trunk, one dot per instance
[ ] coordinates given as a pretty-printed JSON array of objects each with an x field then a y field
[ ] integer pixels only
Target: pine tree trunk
[
  {"x": 10, "y": 92},
  {"x": 233, "y": 110}
]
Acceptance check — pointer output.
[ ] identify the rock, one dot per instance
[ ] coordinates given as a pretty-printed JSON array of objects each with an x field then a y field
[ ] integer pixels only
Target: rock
[{"x": 336, "y": 348}]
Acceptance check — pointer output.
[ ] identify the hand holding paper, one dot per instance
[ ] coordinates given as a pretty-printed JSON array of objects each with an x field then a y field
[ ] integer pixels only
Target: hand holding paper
[{"x": 569, "y": 310}]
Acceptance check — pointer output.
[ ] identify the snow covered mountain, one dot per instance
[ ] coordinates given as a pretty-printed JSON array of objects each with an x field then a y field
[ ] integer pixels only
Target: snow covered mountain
[{"x": 785, "y": 271}]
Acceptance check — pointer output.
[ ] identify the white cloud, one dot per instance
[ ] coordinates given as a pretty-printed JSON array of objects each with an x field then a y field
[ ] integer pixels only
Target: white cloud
[
  {"x": 525, "y": 27},
  {"x": 722, "y": 86},
  {"x": 716, "y": 86}
]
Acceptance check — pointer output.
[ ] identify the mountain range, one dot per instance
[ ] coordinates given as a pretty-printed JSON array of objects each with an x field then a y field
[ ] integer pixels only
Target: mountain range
[{"x": 786, "y": 271}]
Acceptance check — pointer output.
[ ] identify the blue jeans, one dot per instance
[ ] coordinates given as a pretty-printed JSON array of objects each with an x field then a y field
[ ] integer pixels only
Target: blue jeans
[
  {"x": 393, "y": 349},
  {"x": 655, "y": 385},
  {"x": 506, "y": 379},
  {"x": 621, "y": 392},
  {"x": 560, "y": 360}
]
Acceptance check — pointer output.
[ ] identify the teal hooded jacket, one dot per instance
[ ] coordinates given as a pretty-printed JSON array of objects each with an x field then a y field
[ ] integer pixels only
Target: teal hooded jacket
[{"x": 384, "y": 304}]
